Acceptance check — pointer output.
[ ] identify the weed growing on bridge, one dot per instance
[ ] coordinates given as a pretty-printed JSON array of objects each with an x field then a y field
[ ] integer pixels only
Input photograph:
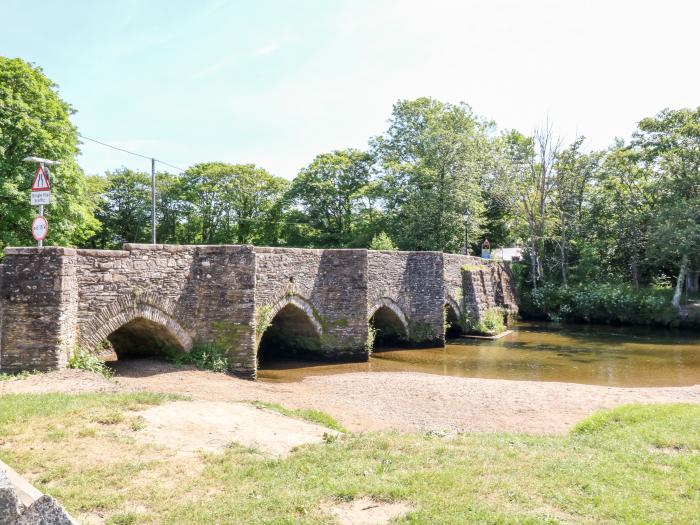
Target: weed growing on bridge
[
  {"x": 371, "y": 337},
  {"x": 85, "y": 360},
  {"x": 263, "y": 320},
  {"x": 491, "y": 322}
]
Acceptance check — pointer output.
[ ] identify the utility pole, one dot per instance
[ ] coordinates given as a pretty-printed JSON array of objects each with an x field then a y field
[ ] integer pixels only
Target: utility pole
[{"x": 153, "y": 201}]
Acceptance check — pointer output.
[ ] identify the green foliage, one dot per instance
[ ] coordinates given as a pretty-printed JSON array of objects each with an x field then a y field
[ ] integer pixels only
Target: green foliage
[
  {"x": 24, "y": 374},
  {"x": 433, "y": 159},
  {"x": 34, "y": 121},
  {"x": 128, "y": 518},
  {"x": 382, "y": 242},
  {"x": 491, "y": 322},
  {"x": 263, "y": 320},
  {"x": 211, "y": 203},
  {"x": 599, "y": 303},
  {"x": 85, "y": 360},
  {"x": 203, "y": 356},
  {"x": 334, "y": 194},
  {"x": 371, "y": 337},
  {"x": 124, "y": 210}
]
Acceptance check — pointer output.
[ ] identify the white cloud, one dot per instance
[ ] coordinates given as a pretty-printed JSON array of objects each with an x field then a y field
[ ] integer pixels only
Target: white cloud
[{"x": 267, "y": 49}]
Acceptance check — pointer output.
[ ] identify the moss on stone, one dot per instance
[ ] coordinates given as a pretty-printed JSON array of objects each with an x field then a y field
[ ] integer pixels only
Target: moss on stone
[
  {"x": 419, "y": 332},
  {"x": 473, "y": 267},
  {"x": 263, "y": 320}
]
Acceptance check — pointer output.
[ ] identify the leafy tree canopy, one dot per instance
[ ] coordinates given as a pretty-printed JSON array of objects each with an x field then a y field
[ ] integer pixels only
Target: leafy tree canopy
[{"x": 34, "y": 121}]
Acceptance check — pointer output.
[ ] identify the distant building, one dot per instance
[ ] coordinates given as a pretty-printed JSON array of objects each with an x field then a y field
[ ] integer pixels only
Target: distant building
[{"x": 507, "y": 254}]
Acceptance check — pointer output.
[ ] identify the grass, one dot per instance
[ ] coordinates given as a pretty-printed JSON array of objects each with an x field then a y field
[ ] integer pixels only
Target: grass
[
  {"x": 635, "y": 464},
  {"x": 19, "y": 375},
  {"x": 313, "y": 416}
]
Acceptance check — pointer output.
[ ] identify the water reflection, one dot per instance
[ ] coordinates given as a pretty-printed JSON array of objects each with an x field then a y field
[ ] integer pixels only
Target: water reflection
[{"x": 624, "y": 356}]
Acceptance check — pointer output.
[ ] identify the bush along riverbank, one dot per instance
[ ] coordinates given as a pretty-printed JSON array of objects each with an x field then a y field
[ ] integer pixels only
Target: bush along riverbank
[{"x": 607, "y": 303}]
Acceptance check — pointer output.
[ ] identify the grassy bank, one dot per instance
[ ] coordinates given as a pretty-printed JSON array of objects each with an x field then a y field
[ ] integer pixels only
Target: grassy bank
[{"x": 636, "y": 464}]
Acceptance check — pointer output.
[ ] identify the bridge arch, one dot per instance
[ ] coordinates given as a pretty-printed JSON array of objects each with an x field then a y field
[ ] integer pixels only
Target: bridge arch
[
  {"x": 135, "y": 327},
  {"x": 288, "y": 329},
  {"x": 389, "y": 321},
  {"x": 453, "y": 318}
]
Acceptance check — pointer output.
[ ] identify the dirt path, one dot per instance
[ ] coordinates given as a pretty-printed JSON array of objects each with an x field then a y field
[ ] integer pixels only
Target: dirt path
[
  {"x": 403, "y": 401},
  {"x": 190, "y": 426}
]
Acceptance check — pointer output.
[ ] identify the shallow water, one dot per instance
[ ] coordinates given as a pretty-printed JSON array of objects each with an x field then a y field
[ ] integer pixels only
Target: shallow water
[{"x": 596, "y": 355}]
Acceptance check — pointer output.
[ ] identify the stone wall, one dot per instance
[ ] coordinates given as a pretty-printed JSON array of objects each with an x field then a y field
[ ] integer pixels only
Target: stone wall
[
  {"x": 201, "y": 294},
  {"x": 455, "y": 297},
  {"x": 39, "y": 296},
  {"x": 413, "y": 283},
  {"x": 329, "y": 285},
  {"x": 54, "y": 300}
]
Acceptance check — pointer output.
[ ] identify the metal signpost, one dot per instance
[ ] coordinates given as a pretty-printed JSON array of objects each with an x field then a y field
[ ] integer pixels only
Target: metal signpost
[{"x": 40, "y": 196}]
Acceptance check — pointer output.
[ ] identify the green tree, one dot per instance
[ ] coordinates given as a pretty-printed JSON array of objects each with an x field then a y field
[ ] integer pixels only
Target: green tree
[
  {"x": 434, "y": 158},
  {"x": 225, "y": 203},
  {"x": 669, "y": 146},
  {"x": 574, "y": 172},
  {"x": 333, "y": 193},
  {"x": 382, "y": 241},
  {"x": 125, "y": 210},
  {"x": 35, "y": 121}
]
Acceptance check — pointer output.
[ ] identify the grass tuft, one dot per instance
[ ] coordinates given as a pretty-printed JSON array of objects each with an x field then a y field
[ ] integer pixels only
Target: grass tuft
[{"x": 313, "y": 416}]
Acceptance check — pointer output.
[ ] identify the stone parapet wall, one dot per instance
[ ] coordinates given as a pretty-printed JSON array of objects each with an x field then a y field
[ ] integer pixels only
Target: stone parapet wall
[
  {"x": 413, "y": 282},
  {"x": 203, "y": 294},
  {"x": 330, "y": 285},
  {"x": 54, "y": 300}
]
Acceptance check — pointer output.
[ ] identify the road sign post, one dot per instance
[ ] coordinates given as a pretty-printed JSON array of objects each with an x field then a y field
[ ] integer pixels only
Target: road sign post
[
  {"x": 39, "y": 196},
  {"x": 41, "y": 185},
  {"x": 40, "y": 228}
]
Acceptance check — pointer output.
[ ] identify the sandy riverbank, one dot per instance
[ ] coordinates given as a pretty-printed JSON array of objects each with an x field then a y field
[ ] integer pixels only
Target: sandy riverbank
[{"x": 403, "y": 401}]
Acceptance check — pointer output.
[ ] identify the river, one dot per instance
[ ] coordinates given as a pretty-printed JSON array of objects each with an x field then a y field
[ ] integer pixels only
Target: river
[{"x": 596, "y": 355}]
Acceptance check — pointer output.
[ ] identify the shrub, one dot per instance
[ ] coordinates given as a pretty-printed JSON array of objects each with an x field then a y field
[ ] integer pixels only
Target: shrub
[
  {"x": 85, "y": 360},
  {"x": 491, "y": 322},
  {"x": 598, "y": 303},
  {"x": 203, "y": 356}
]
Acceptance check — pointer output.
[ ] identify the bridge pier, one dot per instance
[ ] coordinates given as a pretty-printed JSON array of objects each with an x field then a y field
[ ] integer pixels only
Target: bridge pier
[{"x": 240, "y": 299}]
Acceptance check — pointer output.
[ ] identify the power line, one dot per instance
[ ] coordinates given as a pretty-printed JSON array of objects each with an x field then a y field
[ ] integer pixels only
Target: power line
[{"x": 91, "y": 139}]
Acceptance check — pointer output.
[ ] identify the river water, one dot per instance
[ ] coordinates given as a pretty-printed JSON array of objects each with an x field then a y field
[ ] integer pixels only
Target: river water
[{"x": 597, "y": 355}]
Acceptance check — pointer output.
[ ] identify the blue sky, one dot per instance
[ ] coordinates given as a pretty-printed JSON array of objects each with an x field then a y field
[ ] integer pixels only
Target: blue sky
[{"x": 278, "y": 82}]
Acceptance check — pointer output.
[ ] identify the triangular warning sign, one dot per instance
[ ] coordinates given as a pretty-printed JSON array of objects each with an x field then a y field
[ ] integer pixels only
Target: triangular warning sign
[{"x": 41, "y": 180}]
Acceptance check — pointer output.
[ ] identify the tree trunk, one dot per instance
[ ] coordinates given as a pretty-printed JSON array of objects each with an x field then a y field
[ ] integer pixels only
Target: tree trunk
[
  {"x": 676, "y": 301},
  {"x": 533, "y": 265},
  {"x": 634, "y": 270},
  {"x": 562, "y": 254}
]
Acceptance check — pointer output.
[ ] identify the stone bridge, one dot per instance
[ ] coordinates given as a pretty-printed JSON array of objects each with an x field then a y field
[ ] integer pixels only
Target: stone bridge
[{"x": 243, "y": 300}]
